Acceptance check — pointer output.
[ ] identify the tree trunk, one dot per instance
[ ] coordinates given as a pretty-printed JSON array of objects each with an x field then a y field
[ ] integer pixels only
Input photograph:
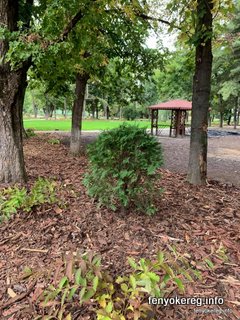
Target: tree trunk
[
  {"x": 107, "y": 112},
  {"x": 209, "y": 119},
  {"x": 65, "y": 108},
  {"x": 51, "y": 110},
  {"x": 12, "y": 89},
  {"x": 55, "y": 112},
  {"x": 77, "y": 112},
  {"x": 197, "y": 167},
  {"x": 93, "y": 110},
  {"x": 35, "y": 110},
  {"x": 46, "y": 113},
  {"x": 12, "y": 167},
  {"x": 96, "y": 108},
  {"x": 35, "y": 107},
  {"x": 235, "y": 113},
  {"x": 220, "y": 100},
  {"x": 229, "y": 119},
  {"x": 221, "y": 119}
]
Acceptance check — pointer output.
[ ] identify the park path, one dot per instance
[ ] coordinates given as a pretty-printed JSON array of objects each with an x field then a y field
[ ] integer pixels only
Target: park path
[
  {"x": 223, "y": 154},
  {"x": 223, "y": 157}
]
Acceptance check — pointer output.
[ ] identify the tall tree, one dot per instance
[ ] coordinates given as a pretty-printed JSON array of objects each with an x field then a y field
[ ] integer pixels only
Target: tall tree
[
  {"x": 107, "y": 31},
  {"x": 15, "y": 18},
  {"x": 114, "y": 33},
  {"x": 194, "y": 19},
  {"x": 197, "y": 168},
  {"x": 12, "y": 89}
]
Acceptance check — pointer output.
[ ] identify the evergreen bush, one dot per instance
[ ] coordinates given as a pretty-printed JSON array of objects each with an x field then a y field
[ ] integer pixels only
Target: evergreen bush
[{"x": 122, "y": 171}]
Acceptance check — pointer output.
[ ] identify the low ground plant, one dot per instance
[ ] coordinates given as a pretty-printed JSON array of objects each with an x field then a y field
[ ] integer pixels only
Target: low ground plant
[
  {"x": 123, "y": 169},
  {"x": 54, "y": 141},
  {"x": 30, "y": 133},
  {"x": 13, "y": 199},
  {"x": 85, "y": 285}
]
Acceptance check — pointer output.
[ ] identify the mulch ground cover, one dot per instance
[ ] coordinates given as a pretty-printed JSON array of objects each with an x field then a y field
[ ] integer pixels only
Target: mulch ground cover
[{"x": 196, "y": 220}]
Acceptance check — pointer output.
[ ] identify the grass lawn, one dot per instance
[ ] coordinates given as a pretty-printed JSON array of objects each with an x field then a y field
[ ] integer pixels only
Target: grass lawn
[{"x": 65, "y": 125}]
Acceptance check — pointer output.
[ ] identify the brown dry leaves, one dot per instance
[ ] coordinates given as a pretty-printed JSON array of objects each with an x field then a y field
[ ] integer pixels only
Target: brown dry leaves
[{"x": 199, "y": 221}]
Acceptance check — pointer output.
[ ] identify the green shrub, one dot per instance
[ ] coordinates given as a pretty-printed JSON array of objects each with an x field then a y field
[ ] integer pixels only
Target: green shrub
[
  {"x": 122, "y": 172},
  {"x": 130, "y": 113},
  {"x": 30, "y": 132},
  {"x": 15, "y": 198}
]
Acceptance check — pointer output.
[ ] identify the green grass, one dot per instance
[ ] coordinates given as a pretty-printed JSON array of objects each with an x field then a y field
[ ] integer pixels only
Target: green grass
[{"x": 65, "y": 125}]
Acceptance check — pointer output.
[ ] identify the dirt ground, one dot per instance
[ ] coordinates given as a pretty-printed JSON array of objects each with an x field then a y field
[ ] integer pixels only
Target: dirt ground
[
  {"x": 223, "y": 157},
  {"x": 198, "y": 221}
]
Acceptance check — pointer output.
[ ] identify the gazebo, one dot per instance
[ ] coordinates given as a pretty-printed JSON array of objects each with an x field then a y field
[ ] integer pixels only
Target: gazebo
[{"x": 179, "y": 110}]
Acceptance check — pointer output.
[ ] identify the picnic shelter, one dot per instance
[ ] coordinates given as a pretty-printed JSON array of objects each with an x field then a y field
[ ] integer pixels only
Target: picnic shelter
[{"x": 179, "y": 110}]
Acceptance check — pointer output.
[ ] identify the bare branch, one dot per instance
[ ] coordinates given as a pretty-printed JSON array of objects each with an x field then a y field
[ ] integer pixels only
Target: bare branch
[{"x": 71, "y": 25}]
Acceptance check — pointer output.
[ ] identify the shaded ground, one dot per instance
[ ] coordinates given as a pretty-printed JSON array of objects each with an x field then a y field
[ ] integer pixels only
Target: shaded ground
[{"x": 198, "y": 220}]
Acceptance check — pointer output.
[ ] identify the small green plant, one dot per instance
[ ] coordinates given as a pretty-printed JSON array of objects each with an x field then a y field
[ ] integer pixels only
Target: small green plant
[
  {"x": 122, "y": 171},
  {"x": 85, "y": 284},
  {"x": 11, "y": 200},
  {"x": 15, "y": 198},
  {"x": 78, "y": 285},
  {"x": 127, "y": 296},
  {"x": 30, "y": 132},
  {"x": 54, "y": 141}
]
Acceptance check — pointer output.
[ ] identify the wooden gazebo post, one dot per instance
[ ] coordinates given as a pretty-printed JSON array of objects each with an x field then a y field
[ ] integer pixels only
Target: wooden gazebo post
[
  {"x": 154, "y": 120},
  {"x": 178, "y": 122}
]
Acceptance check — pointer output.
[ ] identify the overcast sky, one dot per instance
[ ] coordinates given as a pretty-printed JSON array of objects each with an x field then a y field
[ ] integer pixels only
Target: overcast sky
[{"x": 167, "y": 40}]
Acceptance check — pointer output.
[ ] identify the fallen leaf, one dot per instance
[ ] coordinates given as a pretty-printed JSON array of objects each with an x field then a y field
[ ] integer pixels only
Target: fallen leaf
[
  {"x": 11, "y": 293},
  {"x": 58, "y": 210}
]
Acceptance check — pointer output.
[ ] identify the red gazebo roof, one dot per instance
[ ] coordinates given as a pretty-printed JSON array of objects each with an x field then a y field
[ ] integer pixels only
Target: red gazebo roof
[{"x": 173, "y": 105}]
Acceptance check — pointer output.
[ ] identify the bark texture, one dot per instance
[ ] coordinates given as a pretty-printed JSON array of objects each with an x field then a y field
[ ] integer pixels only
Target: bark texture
[
  {"x": 197, "y": 168},
  {"x": 12, "y": 167},
  {"x": 12, "y": 90},
  {"x": 235, "y": 113},
  {"x": 77, "y": 112}
]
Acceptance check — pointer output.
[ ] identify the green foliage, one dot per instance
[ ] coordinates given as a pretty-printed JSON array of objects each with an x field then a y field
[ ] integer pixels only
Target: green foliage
[
  {"x": 226, "y": 71},
  {"x": 123, "y": 164},
  {"x": 83, "y": 283},
  {"x": 125, "y": 297},
  {"x": 30, "y": 132},
  {"x": 14, "y": 198},
  {"x": 80, "y": 282},
  {"x": 54, "y": 141},
  {"x": 11, "y": 200},
  {"x": 130, "y": 113},
  {"x": 127, "y": 81},
  {"x": 99, "y": 36},
  {"x": 175, "y": 81}
]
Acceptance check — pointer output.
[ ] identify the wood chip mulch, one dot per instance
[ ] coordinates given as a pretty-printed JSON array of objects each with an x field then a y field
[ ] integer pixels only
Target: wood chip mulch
[{"x": 197, "y": 220}]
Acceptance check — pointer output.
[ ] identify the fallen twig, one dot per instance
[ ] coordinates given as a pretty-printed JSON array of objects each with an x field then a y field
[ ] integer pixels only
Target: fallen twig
[
  {"x": 167, "y": 237},
  {"x": 34, "y": 250}
]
